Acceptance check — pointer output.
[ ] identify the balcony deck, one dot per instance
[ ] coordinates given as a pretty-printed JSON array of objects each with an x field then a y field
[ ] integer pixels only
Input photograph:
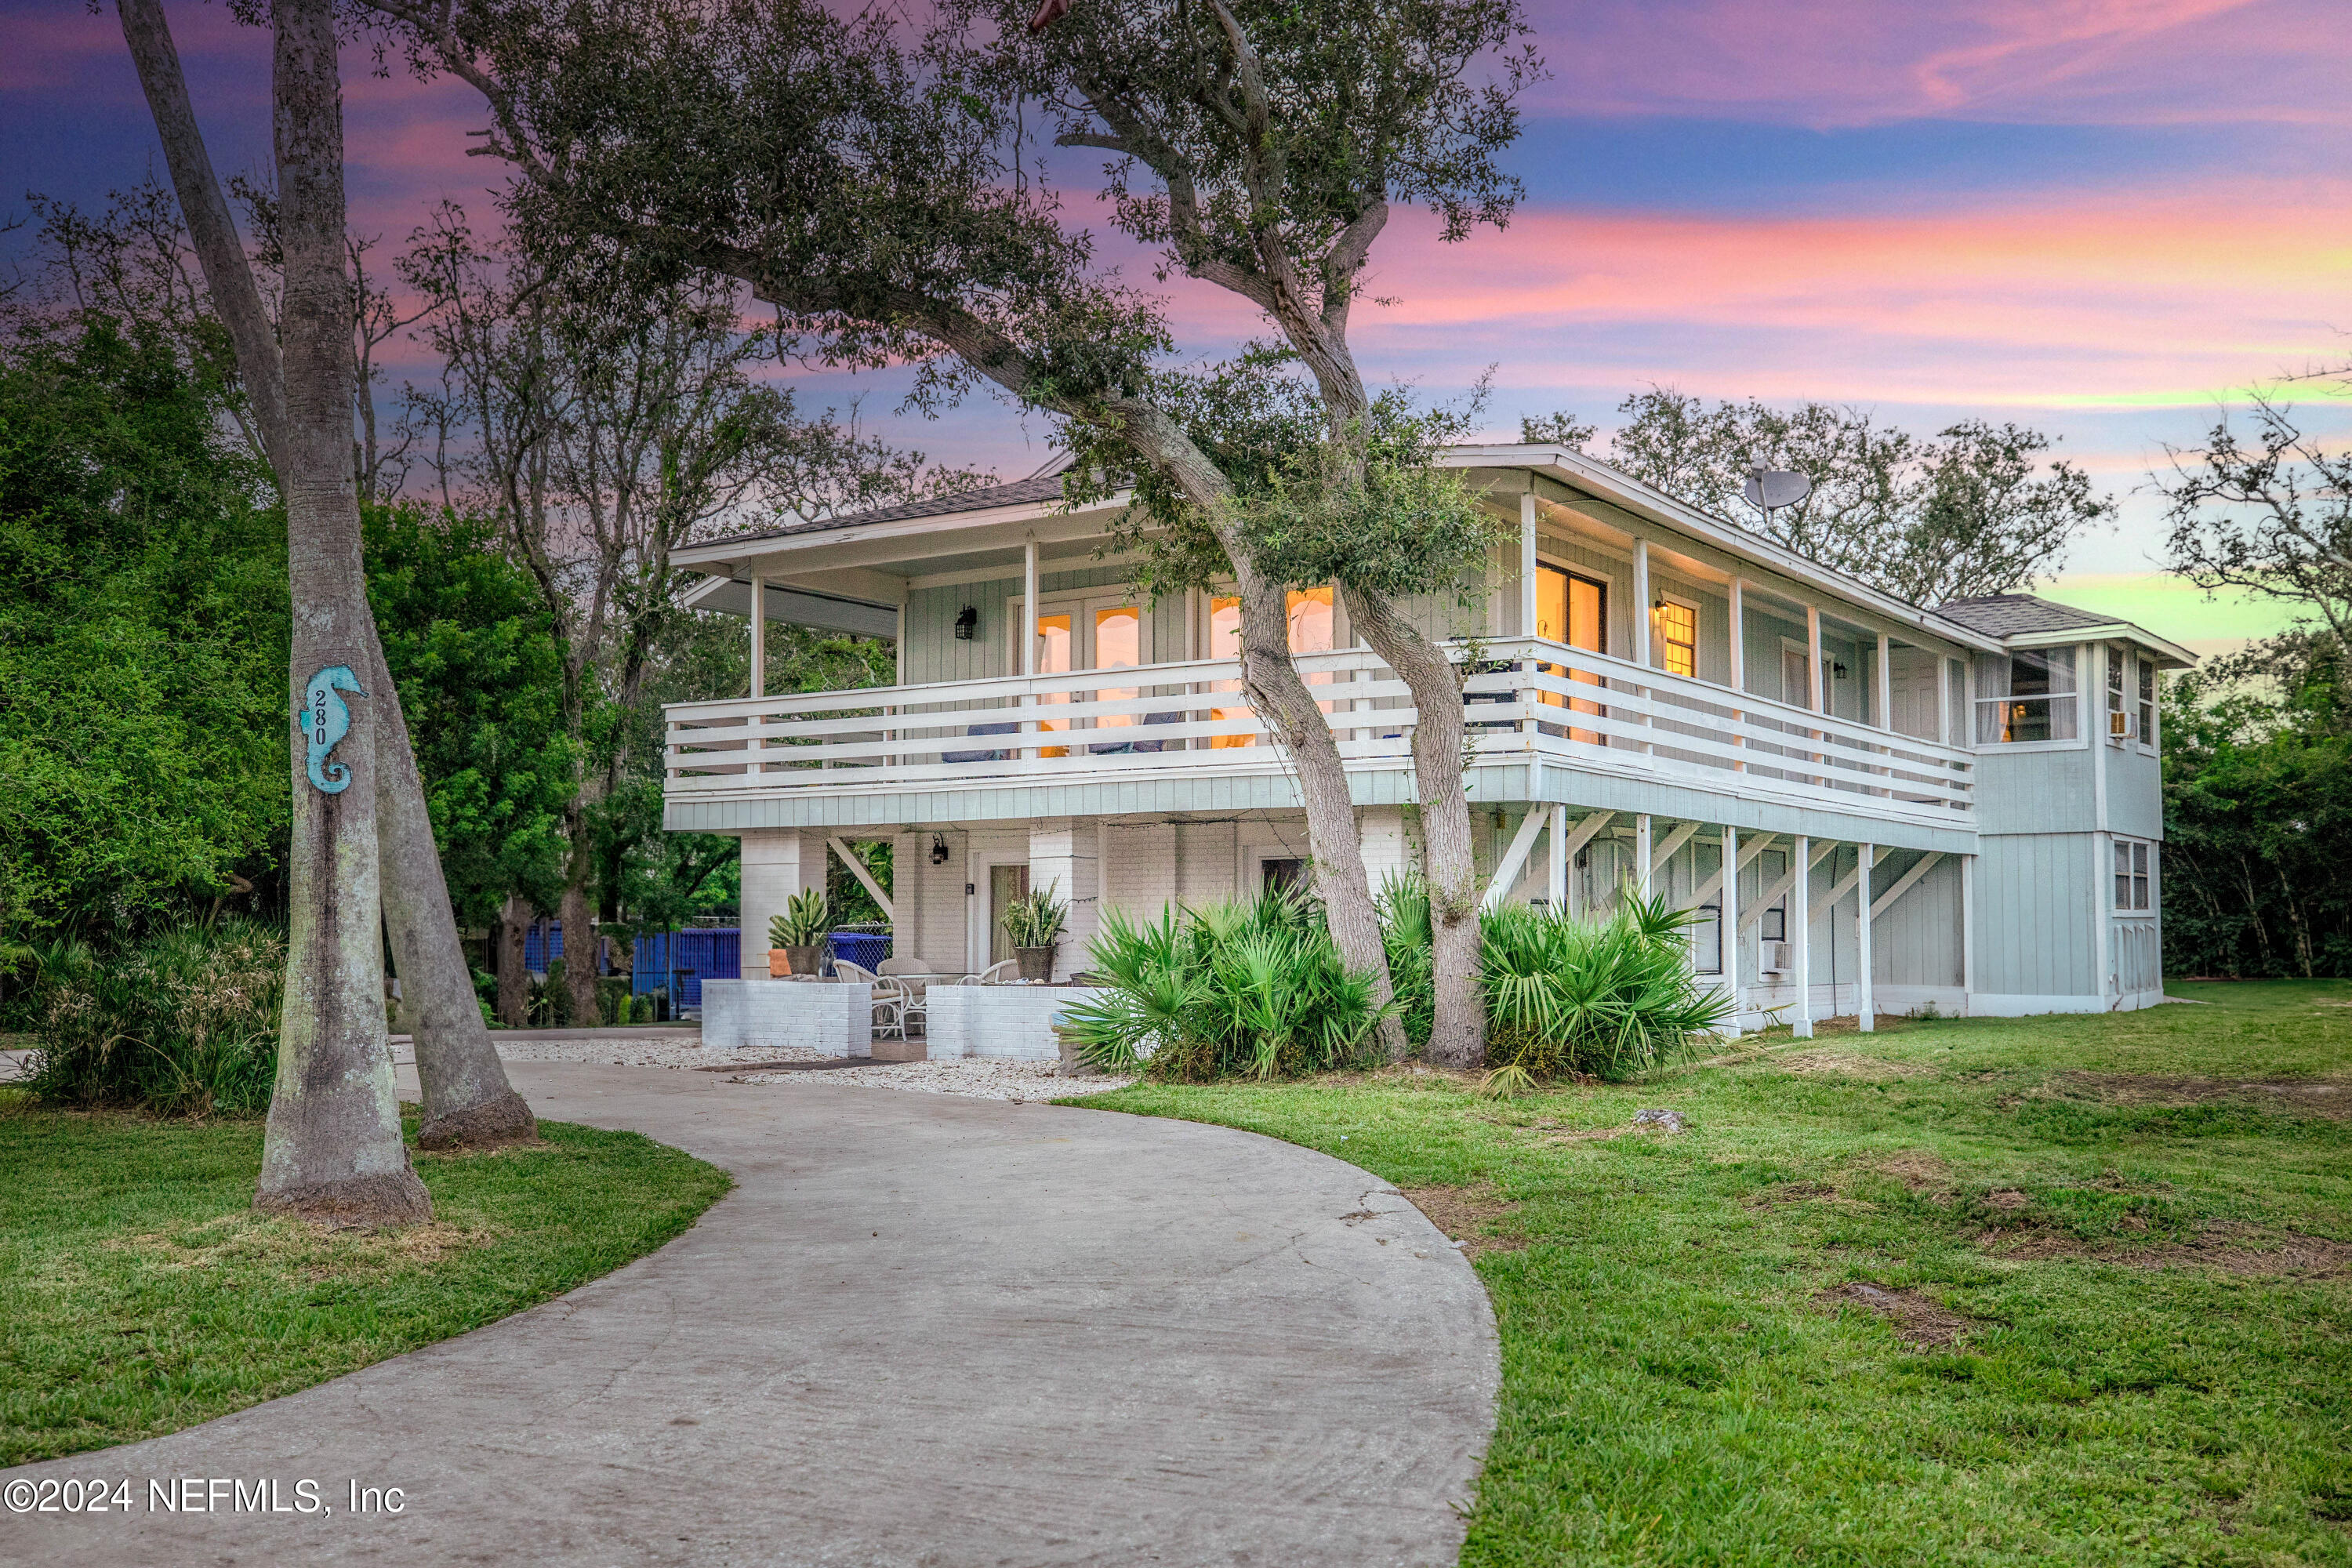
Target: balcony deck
[{"x": 1548, "y": 722}]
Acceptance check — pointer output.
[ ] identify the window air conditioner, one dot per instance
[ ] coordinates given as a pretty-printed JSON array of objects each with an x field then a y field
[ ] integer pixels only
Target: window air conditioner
[
  {"x": 2121, "y": 726},
  {"x": 1775, "y": 958}
]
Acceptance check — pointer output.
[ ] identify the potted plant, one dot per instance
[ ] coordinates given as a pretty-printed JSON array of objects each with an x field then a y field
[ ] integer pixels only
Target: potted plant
[
  {"x": 796, "y": 937},
  {"x": 1033, "y": 924}
]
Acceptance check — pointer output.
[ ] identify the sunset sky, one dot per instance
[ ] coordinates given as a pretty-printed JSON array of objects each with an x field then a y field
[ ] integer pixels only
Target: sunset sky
[{"x": 2107, "y": 218}]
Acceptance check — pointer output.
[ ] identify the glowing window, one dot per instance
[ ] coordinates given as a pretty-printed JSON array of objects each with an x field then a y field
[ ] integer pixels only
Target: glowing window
[{"x": 1677, "y": 628}]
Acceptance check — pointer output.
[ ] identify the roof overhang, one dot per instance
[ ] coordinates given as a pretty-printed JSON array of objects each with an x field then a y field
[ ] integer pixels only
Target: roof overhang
[
  {"x": 1580, "y": 472},
  {"x": 2172, "y": 655},
  {"x": 795, "y": 607},
  {"x": 871, "y": 543}
]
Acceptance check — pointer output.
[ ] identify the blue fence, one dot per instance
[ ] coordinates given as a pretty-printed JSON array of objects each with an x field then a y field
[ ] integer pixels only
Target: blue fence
[{"x": 692, "y": 955}]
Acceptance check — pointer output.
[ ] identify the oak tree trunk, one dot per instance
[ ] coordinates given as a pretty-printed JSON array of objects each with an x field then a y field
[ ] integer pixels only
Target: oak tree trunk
[
  {"x": 469, "y": 1103},
  {"x": 514, "y": 980},
  {"x": 1457, "y": 1034},
  {"x": 332, "y": 1150},
  {"x": 580, "y": 944}
]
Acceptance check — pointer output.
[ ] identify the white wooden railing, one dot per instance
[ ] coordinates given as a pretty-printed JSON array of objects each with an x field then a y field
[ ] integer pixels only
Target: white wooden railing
[{"x": 1524, "y": 699}]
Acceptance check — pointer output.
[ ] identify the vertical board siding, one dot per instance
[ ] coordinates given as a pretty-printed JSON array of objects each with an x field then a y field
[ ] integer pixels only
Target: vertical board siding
[
  {"x": 1917, "y": 940},
  {"x": 2034, "y": 936}
]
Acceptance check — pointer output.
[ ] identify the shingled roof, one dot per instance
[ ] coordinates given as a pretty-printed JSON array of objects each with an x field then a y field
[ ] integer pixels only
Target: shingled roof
[
  {"x": 2013, "y": 615},
  {"x": 1036, "y": 490}
]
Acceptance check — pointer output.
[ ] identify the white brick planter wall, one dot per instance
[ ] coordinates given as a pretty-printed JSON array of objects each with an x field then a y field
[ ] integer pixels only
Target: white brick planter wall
[
  {"x": 1008, "y": 1023},
  {"x": 831, "y": 1018}
]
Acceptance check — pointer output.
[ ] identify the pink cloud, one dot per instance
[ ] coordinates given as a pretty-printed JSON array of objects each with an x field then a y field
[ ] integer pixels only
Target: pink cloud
[
  {"x": 2172, "y": 295},
  {"x": 1850, "y": 62}
]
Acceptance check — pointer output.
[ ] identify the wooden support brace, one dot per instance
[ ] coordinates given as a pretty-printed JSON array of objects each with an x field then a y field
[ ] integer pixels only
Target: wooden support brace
[
  {"x": 1714, "y": 884},
  {"x": 1674, "y": 841},
  {"x": 1514, "y": 858},
  {"x": 857, "y": 869},
  {"x": 1904, "y": 883},
  {"x": 1773, "y": 894}
]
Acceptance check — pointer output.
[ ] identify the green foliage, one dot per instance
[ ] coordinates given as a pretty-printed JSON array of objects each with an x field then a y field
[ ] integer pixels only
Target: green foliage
[
  {"x": 1565, "y": 997},
  {"x": 143, "y": 727},
  {"x": 1968, "y": 511},
  {"x": 1252, "y": 987},
  {"x": 1410, "y": 943},
  {"x": 182, "y": 1024},
  {"x": 481, "y": 679},
  {"x": 2258, "y": 828},
  {"x": 1604, "y": 999},
  {"x": 1392, "y": 525},
  {"x": 1036, "y": 918},
  {"x": 2135, "y": 1382},
  {"x": 143, "y": 1295},
  {"x": 805, "y": 922}
]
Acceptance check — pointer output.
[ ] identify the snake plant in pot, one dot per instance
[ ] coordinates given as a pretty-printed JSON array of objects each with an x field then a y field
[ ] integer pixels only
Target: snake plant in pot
[
  {"x": 796, "y": 937},
  {"x": 1033, "y": 924}
]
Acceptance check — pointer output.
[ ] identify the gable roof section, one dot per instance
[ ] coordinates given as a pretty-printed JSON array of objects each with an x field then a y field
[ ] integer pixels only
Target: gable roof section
[
  {"x": 2006, "y": 614},
  {"x": 1033, "y": 492},
  {"x": 2025, "y": 621}
]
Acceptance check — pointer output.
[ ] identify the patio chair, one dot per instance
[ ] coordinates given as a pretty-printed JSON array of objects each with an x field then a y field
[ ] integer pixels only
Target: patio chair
[
  {"x": 996, "y": 973},
  {"x": 890, "y": 996},
  {"x": 1006, "y": 756}
]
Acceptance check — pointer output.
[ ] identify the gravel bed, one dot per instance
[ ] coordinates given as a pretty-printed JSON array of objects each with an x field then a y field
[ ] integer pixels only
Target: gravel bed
[
  {"x": 979, "y": 1079},
  {"x": 672, "y": 1052}
]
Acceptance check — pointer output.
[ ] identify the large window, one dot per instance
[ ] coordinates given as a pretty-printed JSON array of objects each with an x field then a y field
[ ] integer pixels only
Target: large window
[
  {"x": 1572, "y": 610},
  {"x": 2027, "y": 696},
  {"x": 1678, "y": 629},
  {"x": 1310, "y": 627},
  {"x": 2132, "y": 890}
]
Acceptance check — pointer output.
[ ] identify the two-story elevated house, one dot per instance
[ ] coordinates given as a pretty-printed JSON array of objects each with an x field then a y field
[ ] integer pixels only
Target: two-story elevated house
[{"x": 1956, "y": 807}]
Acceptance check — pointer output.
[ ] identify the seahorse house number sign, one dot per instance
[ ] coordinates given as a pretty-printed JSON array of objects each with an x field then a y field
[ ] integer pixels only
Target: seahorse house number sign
[{"x": 324, "y": 720}]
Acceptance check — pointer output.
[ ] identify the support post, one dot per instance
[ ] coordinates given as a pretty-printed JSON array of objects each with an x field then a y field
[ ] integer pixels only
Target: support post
[
  {"x": 1816, "y": 686},
  {"x": 1867, "y": 1009},
  {"x": 1738, "y": 666},
  {"x": 1028, "y": 634},
  {"x": 759, "y": 663},
  {"x": 1726, "y": 922},
  {"x": 1800, "y": 932},
  {"x": 1969, "y": 935},
  {"x": 1527, "y": 564},
  {"x": 1641, "y": 854},
  {"x": 1944, "y": 701},
  {"x": 1885, "y": 704},
  {"x": 1642, "y": 621},
  {"x": 1556, "y": 862}
]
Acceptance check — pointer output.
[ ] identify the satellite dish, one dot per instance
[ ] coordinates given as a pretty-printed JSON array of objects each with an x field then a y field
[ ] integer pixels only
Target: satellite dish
[{"x": 1768, "y": 489}]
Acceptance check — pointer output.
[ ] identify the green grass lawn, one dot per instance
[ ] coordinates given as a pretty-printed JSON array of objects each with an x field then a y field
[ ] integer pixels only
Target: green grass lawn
[
  {"x": 2113, "y": 1325},
  {"x": 139, "y": 1294}
]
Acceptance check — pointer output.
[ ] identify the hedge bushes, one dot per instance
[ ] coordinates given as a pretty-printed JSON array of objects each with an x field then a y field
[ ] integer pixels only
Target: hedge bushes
[
  {"x": 1257, "y": 988},
  {"x": 183, "y": 1023}
]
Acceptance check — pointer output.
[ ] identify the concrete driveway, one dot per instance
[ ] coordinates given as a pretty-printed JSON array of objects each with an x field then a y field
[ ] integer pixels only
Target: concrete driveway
[{"x": 922, "y": 1330}]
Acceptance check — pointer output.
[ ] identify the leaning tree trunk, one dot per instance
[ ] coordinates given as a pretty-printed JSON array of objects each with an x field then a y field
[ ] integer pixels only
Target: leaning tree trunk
[
  {"x": 1283, "y": 702},
  {"x": 1457, "y": 1034},
  {"x": 332, "y": 1150},
  {"x": 579, "y": 917},
  {"x": 469, "y": 1103},
  {"x": 1333, "y": 835},
  {"x": 514, "y": 980}
]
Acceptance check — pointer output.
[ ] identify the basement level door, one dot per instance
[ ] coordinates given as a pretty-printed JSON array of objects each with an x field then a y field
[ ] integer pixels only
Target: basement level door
[{"x": 1005, "y": 883}]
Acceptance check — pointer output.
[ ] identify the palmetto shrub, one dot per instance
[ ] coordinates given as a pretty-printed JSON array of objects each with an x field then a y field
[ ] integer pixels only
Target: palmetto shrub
[
  {"x": 1601, "y": 998},
  {"x": 182, "y": 1024},
  {"x": 1565, "y": 997},
  {"x": 1252, "y": 987}
]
